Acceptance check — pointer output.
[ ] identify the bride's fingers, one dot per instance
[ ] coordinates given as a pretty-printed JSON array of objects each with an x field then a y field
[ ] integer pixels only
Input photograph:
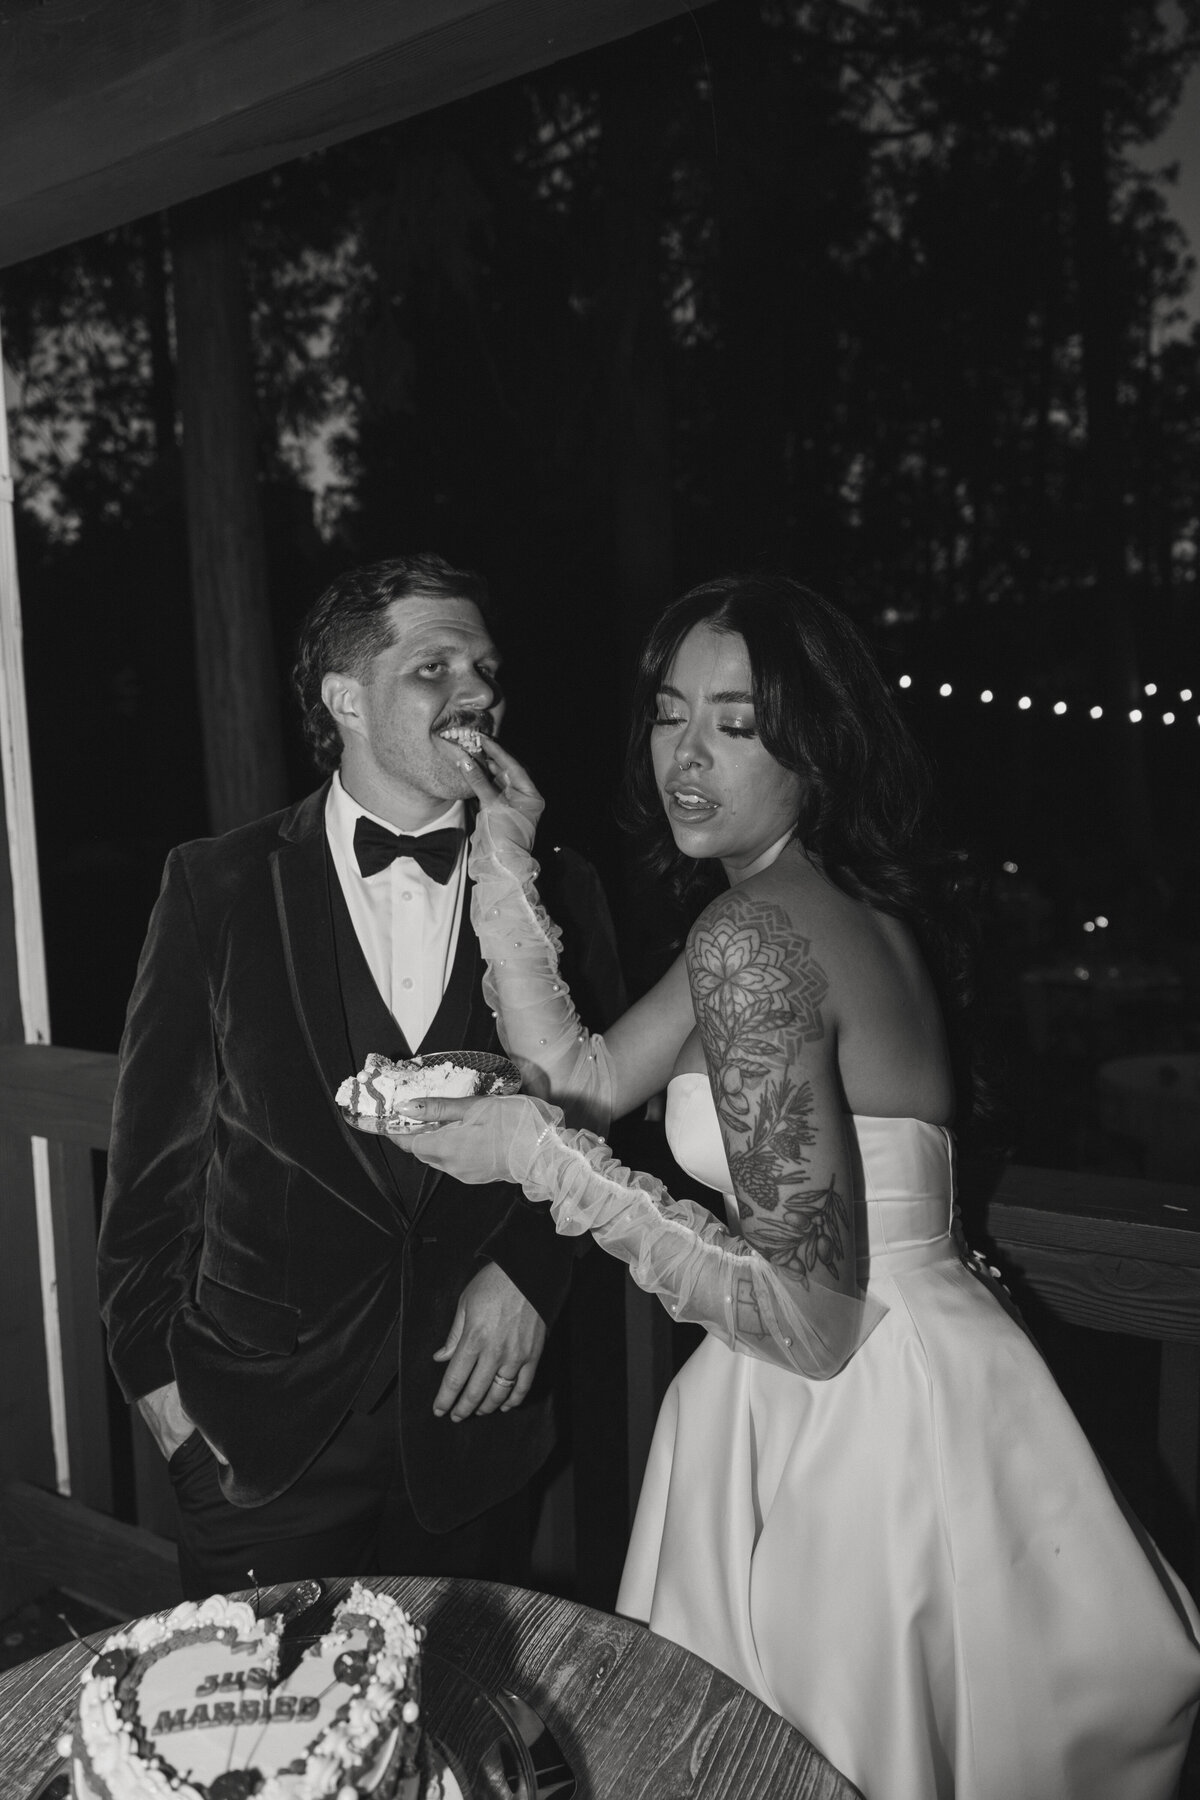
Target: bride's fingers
[
  {"x": 441, "y": 1112},
  {"x": 517, "y": 776},
  {"x": 479, "y": 778}
]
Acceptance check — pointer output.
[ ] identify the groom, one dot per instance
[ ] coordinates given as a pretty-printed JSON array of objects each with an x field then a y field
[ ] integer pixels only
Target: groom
[{"x": 337, "y": 1349}]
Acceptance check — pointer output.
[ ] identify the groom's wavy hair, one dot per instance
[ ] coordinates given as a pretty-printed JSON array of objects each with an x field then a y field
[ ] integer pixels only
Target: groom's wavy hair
[
  {"x": 348, "y": 626},
  {"x": 824, "y": 711}
]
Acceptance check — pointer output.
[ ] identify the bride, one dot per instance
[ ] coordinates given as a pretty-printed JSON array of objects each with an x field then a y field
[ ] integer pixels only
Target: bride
[{"x": 866, "y": 1499}]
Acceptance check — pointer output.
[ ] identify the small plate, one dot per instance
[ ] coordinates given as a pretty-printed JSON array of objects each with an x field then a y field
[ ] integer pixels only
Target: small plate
[{"x": 503, "y": 1077}]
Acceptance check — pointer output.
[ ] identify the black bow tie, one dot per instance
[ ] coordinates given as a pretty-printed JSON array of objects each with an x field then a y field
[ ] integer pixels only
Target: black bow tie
[{"x": 437, "y": 852}]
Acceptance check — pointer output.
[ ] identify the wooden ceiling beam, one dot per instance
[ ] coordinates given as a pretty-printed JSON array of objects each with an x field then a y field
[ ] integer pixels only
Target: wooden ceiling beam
[{"x": 111, "y": 109}]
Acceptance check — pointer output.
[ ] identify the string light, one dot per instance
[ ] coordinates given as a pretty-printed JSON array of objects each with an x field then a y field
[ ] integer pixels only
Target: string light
[{"x": 1060, "y": 708}]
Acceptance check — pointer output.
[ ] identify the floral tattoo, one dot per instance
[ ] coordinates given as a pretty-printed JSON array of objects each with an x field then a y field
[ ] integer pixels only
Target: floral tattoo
[{"x": 757, "y": 991}]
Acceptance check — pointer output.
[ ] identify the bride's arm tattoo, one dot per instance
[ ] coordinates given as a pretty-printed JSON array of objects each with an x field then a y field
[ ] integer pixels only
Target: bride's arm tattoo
[{"x": 758, "y": 992}]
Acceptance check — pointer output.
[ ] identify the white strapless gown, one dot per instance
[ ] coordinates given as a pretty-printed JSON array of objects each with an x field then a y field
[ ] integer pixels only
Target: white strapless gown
[{"x": 920, "y": 1562}]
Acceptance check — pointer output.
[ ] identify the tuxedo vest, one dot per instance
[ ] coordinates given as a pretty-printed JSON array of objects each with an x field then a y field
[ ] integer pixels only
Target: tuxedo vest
[{"x": 371, "y": 1026}]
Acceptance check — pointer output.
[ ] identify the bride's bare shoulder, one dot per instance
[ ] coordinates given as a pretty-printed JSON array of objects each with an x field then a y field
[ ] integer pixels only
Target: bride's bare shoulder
[
  {"x": 776, "y": 912},
  {"x": 793, "y": 902},
  {"x": 792, "y": 890}
]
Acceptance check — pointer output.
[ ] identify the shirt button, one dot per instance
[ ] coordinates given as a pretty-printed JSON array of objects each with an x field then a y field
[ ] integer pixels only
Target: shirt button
[
  {"x": 407, "y": 982},
  {"x": 406, "y": 894}
]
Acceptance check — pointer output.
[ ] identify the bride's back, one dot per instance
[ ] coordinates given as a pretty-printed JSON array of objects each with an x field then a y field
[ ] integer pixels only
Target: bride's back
[{"x": 892, "y": 1056}]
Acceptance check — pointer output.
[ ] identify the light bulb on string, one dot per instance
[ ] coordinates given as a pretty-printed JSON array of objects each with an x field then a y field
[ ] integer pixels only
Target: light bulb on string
[{"x": 1060, "y": 708}]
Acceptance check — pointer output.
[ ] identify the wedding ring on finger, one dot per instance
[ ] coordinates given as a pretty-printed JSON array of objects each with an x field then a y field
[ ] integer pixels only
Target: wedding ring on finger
[{"x": 504, "y": 1380}]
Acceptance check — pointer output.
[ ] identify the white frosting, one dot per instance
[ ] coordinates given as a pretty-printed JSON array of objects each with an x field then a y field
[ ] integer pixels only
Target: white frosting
[{"x": 381, "y": 1084}]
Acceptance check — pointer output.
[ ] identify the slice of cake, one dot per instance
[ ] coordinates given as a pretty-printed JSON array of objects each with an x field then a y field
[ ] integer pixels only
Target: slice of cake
[
  {"x": 382, "y": 1085},
  {"x": 189, "y": 1705}
]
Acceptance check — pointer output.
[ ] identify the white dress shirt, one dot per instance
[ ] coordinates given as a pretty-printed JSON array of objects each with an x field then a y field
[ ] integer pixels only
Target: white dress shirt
[{"x": 406, "y": 922}]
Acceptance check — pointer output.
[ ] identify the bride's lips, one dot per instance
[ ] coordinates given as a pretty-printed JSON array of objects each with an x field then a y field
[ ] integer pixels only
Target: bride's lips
[{"x": 689, "y": 804}]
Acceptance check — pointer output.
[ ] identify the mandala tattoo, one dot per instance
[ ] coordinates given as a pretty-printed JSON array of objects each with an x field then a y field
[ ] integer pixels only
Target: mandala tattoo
[{"x": 758, "y": 991}]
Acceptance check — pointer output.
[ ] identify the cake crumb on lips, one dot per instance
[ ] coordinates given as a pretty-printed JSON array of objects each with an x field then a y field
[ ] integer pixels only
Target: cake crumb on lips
[{"x": 465, "y": 737}]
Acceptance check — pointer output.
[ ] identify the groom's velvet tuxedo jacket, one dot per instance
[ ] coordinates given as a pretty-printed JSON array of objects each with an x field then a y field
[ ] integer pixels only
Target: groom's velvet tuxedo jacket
[{"x": 253, "y": 1247}]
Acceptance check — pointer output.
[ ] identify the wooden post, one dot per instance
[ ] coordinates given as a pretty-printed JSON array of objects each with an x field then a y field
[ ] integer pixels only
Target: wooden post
[
  {"x": 238, "y": 678},
  {"x": 33, "y": 1425}
]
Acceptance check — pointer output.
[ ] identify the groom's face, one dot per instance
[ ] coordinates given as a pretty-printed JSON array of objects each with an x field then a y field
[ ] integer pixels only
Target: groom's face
[{"x": 440, "y": 670}]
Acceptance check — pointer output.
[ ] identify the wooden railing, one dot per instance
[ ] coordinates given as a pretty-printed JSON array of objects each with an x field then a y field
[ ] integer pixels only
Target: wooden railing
[
  {"x": 65, "y": 1097},
  {"x": 1119, "y": 1255},
  {"x": 71, "y": 1540}
]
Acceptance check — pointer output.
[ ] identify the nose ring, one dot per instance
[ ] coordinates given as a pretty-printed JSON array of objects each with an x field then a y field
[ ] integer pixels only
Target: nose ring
[{"x": 683, "y": 763}]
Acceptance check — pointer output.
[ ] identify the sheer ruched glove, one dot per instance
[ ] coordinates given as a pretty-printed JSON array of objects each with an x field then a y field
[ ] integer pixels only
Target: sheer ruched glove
[
  {"x": 535, "y": 1013},
  {"x": 675, "y": 1248}
]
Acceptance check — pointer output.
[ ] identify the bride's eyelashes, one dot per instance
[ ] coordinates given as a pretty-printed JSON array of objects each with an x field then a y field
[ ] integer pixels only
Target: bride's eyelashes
[{"x": 731, "y": 730}]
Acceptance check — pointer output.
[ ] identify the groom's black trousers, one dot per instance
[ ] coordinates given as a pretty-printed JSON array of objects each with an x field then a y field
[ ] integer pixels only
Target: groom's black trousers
[{"x": 348, "y": 1514}]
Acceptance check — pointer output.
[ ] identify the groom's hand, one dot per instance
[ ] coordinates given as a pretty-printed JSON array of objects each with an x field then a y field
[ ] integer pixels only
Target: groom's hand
[
  {"x": 169, "y": 1425},
  {"x": 496, "y": 1332}
]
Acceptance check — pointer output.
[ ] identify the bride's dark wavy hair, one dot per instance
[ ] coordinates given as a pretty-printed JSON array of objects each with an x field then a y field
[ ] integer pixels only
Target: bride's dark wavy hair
[{"x": 824, "y": 711}]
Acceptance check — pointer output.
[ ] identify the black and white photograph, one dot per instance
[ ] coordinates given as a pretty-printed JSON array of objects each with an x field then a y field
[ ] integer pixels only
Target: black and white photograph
[{"x": 600, "y": 911}]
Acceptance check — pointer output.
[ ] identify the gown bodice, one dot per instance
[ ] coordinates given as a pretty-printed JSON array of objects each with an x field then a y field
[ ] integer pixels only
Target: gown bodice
[{"x": 904, "y": 1176}]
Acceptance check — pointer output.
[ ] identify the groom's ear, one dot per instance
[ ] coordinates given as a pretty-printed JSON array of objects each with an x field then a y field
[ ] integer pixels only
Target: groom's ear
[{"x": 342, "y": 695}]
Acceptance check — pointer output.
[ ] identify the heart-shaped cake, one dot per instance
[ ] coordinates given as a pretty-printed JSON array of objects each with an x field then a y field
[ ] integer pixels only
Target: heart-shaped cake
[{"x": 190, "y": 1705}]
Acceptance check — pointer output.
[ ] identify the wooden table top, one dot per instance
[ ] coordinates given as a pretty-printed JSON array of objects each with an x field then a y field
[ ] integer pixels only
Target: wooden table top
[{"x": 637, "y": 1717}]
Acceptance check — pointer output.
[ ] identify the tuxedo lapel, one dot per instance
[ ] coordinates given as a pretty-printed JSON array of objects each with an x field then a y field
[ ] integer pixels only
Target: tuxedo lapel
[{"x": 298, "y": 869}]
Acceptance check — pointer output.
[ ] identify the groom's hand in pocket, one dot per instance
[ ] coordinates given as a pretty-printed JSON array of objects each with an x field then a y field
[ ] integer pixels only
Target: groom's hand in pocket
[{"x": 168, "y": 1423}]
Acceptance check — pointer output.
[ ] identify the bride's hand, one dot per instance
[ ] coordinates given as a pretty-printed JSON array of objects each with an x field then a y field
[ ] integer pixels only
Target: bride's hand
[
  {"x": 505, "y": 792},
  {"x": 484, "y": 1139}
]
